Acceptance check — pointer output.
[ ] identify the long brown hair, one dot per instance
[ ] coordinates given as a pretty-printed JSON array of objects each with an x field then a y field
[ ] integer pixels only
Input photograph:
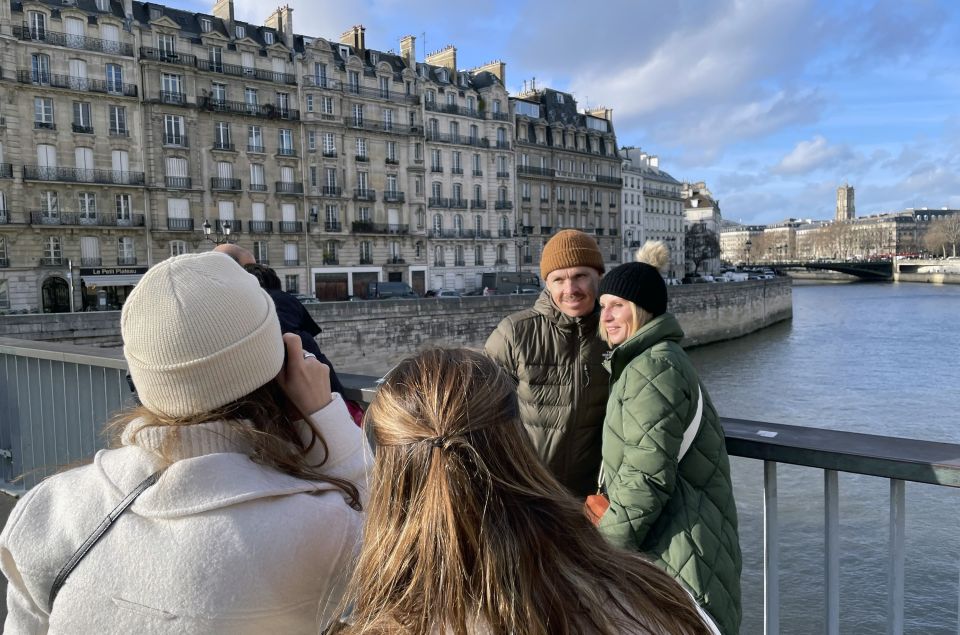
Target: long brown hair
[
  {"x": 263, "y": 419},
  {"x": 466, "y": 530}
]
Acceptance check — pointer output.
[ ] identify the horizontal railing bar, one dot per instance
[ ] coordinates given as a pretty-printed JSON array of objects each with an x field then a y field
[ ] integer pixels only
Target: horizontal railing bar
[
  {"x": 874, "y": 455},
  {"x": 71, "y": 353}
]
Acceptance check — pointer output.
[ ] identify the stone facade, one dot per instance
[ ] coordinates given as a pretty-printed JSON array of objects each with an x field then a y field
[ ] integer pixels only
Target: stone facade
[{"x": 656, "y": 208}]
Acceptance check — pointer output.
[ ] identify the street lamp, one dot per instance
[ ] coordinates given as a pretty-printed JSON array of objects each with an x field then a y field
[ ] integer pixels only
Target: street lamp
[{"x": 207, "y": 228}]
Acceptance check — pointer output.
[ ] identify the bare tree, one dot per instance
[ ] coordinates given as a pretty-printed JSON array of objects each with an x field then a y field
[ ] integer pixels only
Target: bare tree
[
  {"x": 943, "y": 234},
  {"x": 701, "y": 245}
]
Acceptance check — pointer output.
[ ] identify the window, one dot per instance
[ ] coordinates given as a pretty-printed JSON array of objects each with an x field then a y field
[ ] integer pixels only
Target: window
[
  {"x": 362, "y": 181},
  {"x": 291, "y": 255},
  {"x": 384, "y": 87},
  {"x": 52, "y": 248},
  {"x": 320, "y": 75},
  {"x": 114, "y": 74},
  {"x": 477, "y": 163},
  {"x": 329, "y": 144},
  {"x": 40, "y": 68},
  {"x": 268, "y": 37},
  {"x": 474, "y": 132},
  {"x": 353, "y": 81},
  {"x": 283, "y": 104},
  {"x": 173, "y": 130},
  {"x": 312, "y": 140},
  {"x": 118, "y": 120},
  {"x": 366, "y": 252},
  {"x": 83, "y": 158},
  {"x": 257, "y": 181},
  {"x": 82, "y": 120},
  {"x": 260, "y": 252},
  {"x": 392, "y": 183},
  {"x": 221, "y": 136},
  {"x": 38, "y": 25},
  {"x": 49, "y": 204},
  {"x": 126, "y": 251},
  {"x": 285, "y": 141},
  {"x": 392, "y": 151},
  {"x": 309, "y": 103},
  {"x": 478, "y": 255},
  {"x": 43, "y": 113},
  {"x": 363, "y": 215},
  {"x": 437, "y": 223},
  {"x": 361, "y": 147},
  {"x": 170, "y": 89},
  {"x": 436, "y": 190},
  {"x": 218, "y": 92},
  {"x": 250, "y": 98},
  {"x": 254, "y": 139},
  {"x": 87, "y": 202},
  {"x": 430, "y": 96},
  {"x": 206, "y": 25},
  {"x": 496, "y": 105},
  {"x": 435, "y": 164},
  {"x": 388, "y": 116},
  {"x": 240, "y": 31},
  {"x": 167, "y": 46},
  {"x": 178, "y": 247},
  {"x": 291, "y": 283},
  {"x": 123, "y": 208},
  {"x": 330, "y": 249},
  {"x": 326, "y": 105},
  {"x": 451, "y": 98}
]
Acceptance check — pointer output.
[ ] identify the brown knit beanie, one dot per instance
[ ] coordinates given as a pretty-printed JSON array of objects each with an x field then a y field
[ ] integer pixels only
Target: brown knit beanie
[{"x": 570, "y": 248}]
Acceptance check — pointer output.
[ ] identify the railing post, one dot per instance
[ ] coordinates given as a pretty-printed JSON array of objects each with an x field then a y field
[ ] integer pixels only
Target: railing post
[
  {"x": 771, "y": 551},
  {"x": 831, "y": 573},
  {"x": 897, "y": 552}
]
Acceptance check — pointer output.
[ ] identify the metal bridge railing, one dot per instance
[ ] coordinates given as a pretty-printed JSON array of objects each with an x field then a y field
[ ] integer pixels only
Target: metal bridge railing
[{"x": 55, "y": 398}]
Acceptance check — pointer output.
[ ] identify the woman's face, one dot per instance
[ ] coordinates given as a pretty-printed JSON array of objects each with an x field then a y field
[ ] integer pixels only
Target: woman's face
[{"x": 616, "y": 318}]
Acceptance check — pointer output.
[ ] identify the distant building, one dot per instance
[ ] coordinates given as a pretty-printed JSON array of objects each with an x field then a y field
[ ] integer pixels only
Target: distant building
[
  {"x": 656, "y": 208},
  {"x": 699, "y": 207},
  {"x": 737, "y": 243},
  {"x": 846, "y": 210}
]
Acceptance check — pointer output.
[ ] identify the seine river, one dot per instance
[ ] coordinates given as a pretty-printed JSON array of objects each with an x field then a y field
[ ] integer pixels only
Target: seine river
[{"x": 877, "y": 358}]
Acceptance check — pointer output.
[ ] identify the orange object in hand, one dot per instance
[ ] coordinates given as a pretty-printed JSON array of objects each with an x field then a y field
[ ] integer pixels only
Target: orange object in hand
[{"x": 595, "y": 507}]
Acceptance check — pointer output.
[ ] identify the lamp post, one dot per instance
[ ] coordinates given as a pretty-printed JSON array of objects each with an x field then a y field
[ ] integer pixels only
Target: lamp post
[{"x": 217, "y": 240}]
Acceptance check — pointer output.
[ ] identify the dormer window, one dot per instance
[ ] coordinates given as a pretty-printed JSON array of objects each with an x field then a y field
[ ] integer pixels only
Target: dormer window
[
  {"x": 559, "y": 98},
  {"x": 344, "y": 52},
  {"x": 241, "y": 31},
  {"x": 206, "y": 25},
  {"x": 374, "y": 58},
  {"x": 268, "y": 37},
  {"x": 156, "y": 13},
  {"x": 442, "y": 74},
  {"x": 103, "y": 5}
]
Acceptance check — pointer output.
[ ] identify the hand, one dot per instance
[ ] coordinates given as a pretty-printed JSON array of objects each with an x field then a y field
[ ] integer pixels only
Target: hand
[{"x": 306, "y": 382}]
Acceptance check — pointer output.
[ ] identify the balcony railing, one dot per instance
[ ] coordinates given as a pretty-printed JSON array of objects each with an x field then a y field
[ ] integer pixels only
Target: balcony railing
[
  {"x": 367, "y": 227},
  {"x": 362, "y": 194},
  {"x": 225, "y": 146},
  {"x": 4, "y": 263},
  {"x": 505, "y": 233},
  {"x": 53, "y": 261},
  {"x": 221, "y": 184},
  {"x": 87, "y": 219},
  {"x": 610, "y": 180},
  {"x": 535, "y": 171},
  {"x": 286, "y": 152},
  {"x": 366, "y": 260},
  {"x": 178, "y": 182},
  {"x": 82, "y": 175},
  {"x": 126, "y": 261},
  {"x": 478, "y": 172},
  {"x": 258, "y": 187},
  {"x": 329, "y": 154},
  {"x": 235, "y": 70},
  {"x": 503, "y": 175},
  {"x": 172, "y": 98},
  {"x": 392, "y": 196},
  {"x": 265, "y": 111},
  {"x": 179, "y": 140},
  {"x": 167, "y": 57},
  {"x": 442, "y": 137},
  {"x": 26, "y": 32},
  {"x": 500, "y": 116},
  {"x": 6, "y": 170},
  {"x": 291, "y": 226},
  {"x": 331, "y": 190},
  {"x": 454, "y": 109},
  {"x": 260, "y": 227},
  {"x": 504, "y": 205},
  {"x": 332, "y": 226},
  {"x": 78, "y": 84},
  {"x": 476, "y": 204},
  {"x": 326, "y": 83},
  {"x": 330, "y": 260},
  {"x": 284, "y": 187},
  {"x": 395, "y": 260},
  {"x": 438, "y": 201},
  {"x": 256, "y": 149},
  {"x": 458, "y": 203},
  {"x": 180, "y": 224},
  {"x": 4, "y": 216},
  {"x": 44, "y": 125},
  {"x": 291, "y": 262}
]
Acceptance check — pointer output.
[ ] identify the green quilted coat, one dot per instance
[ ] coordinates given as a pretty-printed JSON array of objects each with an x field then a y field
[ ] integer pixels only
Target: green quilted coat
[{"x": 682, "y": 516}]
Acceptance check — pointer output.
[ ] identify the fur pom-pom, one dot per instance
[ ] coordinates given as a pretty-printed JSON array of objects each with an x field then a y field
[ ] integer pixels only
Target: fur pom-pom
[{"x": 654, "y": 253}]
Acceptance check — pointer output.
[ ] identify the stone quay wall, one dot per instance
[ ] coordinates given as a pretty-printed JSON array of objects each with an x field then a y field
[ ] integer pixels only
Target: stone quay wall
[{"x": 369, "y": 337}]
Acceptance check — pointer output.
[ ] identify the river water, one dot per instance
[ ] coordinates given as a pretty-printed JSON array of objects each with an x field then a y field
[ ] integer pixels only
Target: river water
[{"x": 876, "y": 358}]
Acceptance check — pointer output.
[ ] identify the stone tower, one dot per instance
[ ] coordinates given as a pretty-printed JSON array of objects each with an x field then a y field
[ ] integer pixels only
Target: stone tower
[{"x": 845, "y": 207}]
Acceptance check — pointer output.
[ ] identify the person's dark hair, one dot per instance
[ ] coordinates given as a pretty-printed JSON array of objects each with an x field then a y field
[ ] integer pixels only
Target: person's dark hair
[
  {"x": 467, "y": 531},
  {"x": 266, "y": 276}
]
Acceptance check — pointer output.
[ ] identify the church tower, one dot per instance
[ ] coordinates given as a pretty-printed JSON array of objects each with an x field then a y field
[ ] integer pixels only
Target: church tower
[{"x": 845, "y": 207}]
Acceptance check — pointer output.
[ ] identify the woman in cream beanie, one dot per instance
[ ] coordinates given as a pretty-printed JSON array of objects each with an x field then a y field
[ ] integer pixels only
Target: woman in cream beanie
[{"x": 251, "y": 525}]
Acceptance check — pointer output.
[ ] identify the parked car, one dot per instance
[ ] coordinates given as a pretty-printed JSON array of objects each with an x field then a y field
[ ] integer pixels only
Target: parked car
[
  {"x": 442, "y": 293},
  {"x": 306, "y": 299},
  {"x": 391, "y": 291}
]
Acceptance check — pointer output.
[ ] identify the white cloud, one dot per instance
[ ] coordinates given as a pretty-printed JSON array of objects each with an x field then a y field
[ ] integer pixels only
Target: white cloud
[{"x": 816, "y": 154}]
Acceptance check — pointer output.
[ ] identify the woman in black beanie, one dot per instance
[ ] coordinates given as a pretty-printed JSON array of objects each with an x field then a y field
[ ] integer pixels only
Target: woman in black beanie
[{"x": 665, "y": 468}]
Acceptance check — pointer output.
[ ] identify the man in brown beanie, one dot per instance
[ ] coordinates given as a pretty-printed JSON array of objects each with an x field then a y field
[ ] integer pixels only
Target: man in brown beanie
[{"x": 555, "y": 354}]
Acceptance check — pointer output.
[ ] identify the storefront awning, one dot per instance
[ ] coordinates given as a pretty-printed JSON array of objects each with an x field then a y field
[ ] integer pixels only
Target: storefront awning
[{"x": 112, "y": 281}]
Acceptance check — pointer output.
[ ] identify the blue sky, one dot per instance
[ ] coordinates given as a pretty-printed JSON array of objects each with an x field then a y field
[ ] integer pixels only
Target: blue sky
[{"x": 774, "y": 103}]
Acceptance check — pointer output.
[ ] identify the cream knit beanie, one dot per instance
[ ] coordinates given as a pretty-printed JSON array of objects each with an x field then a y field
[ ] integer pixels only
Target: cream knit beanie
[{"x": 199, "y": 333}]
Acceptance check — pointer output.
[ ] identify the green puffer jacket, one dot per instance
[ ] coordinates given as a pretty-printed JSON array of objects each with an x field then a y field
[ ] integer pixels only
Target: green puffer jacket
[
  {"x": 557, "y": 362},
  {"x": 684, "y": 517}
]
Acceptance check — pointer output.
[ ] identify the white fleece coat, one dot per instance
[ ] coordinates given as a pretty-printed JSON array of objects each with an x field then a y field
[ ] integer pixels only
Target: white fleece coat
[{"x": 218, "y": 545}]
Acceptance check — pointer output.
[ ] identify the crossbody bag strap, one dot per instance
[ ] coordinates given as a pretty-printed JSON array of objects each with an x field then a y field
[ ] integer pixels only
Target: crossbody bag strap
[
  {"x": 98, "y": 533},
  {"x": 691, "y": 432}
]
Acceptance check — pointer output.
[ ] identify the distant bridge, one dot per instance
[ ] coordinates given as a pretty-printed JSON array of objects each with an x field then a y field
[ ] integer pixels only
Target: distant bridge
[{"x": 863, "y": 269}]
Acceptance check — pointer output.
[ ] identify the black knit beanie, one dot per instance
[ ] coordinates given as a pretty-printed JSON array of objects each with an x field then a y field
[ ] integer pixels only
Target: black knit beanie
[{"x": 638, "y": 282}]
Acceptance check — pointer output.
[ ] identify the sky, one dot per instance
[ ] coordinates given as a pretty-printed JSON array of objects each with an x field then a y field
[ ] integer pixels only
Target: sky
[{"x": 773, "y": 103}]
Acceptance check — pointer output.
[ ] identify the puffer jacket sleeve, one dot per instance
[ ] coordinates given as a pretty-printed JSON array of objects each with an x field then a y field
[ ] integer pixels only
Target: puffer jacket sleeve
[
  {"x": 500, "y": 347},
  {"x": 652, "y": 418},
  {"x": 24, "y": 615}
]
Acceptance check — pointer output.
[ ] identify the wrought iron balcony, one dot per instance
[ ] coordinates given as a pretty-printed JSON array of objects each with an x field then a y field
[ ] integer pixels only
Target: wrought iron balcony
[
  {"x": 614, "y": 232},
  {"x": 81, "y": 129},
  {"x": 52, "y": 261},
  {"x": 4, "y": 217},
  {"x": 256, "y": 149},
  {"x": 610, "y": 180},
  {"x": 126, "y": 261},
  {"x": 286, "y": 152},
  {"x": 44, "y": 125},
  {"x": 504, "y": 205},
  {"x": 366, "y": 260},
  {"x": 225, "y": 146},
  {"x": 82, "y": 175},
  {"x": 167, "y": 57},
  {"x": 6, "y": 170},
  {"x": 220, "y": 226},
  {"x": 91, "y": 261},
  {"x": 77, "y": 84},
  {"x": 175, "y": 99},
  {"x": 370, "y": 92},
  {"x": 118, "y": 132},
  {"x": 291, "y": 262},
  {"x": 438, "y": 201},
  {"x": 362, "y": 194},
  {"x": 503, "y": 145},
  {"x": 458, "y": 203},
  {"x": 478, "y": 204},
  {"x": 265, "y": 111},
  {"x": 260, "y": 227},
  {"x": 179, "y": 140},
  {"x": 392, "y": 196},
  {"x": 500, "y": 116},
  {"x": 221, "y": 184},
  {"x": 390, "y": 161},
  {"x": 180, "y": 224},
  {"x": 478, "y": 172},
  {"x": 438, "y": 169},
  {"x": 505, "y": 233},
  {"x": 26, "y": 32},
  {"x": 441, "y": 137},
  {"x": 235, "y": 70},
  {"x": 332, "y": 226},
  {"x": 361, "y": 158},
  {"x": 535, "y": 171},
  {"x": 4, "y": 263},
  {"x": 454, "y": 109},
  {"x": 258, "y": 187},
  {"x": 291, "y": 226},
  {"x": 368, "y": 227},
  {"x": 546, "y": 230},
  {"x": 284, "y": 187},
  {"x": 456, "y": 170},
  {"x": 178, "y": 182},
  {"x": 329, "y": 154},
  {"x": 439, "y": 263},
  {"x": 87, "y": 219},
  {"x": 503, "y": 175},
  {"x": 330, "y": 260},
  {"x": 331, "y": 190},
  {"x": 395, "y": 260}
]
